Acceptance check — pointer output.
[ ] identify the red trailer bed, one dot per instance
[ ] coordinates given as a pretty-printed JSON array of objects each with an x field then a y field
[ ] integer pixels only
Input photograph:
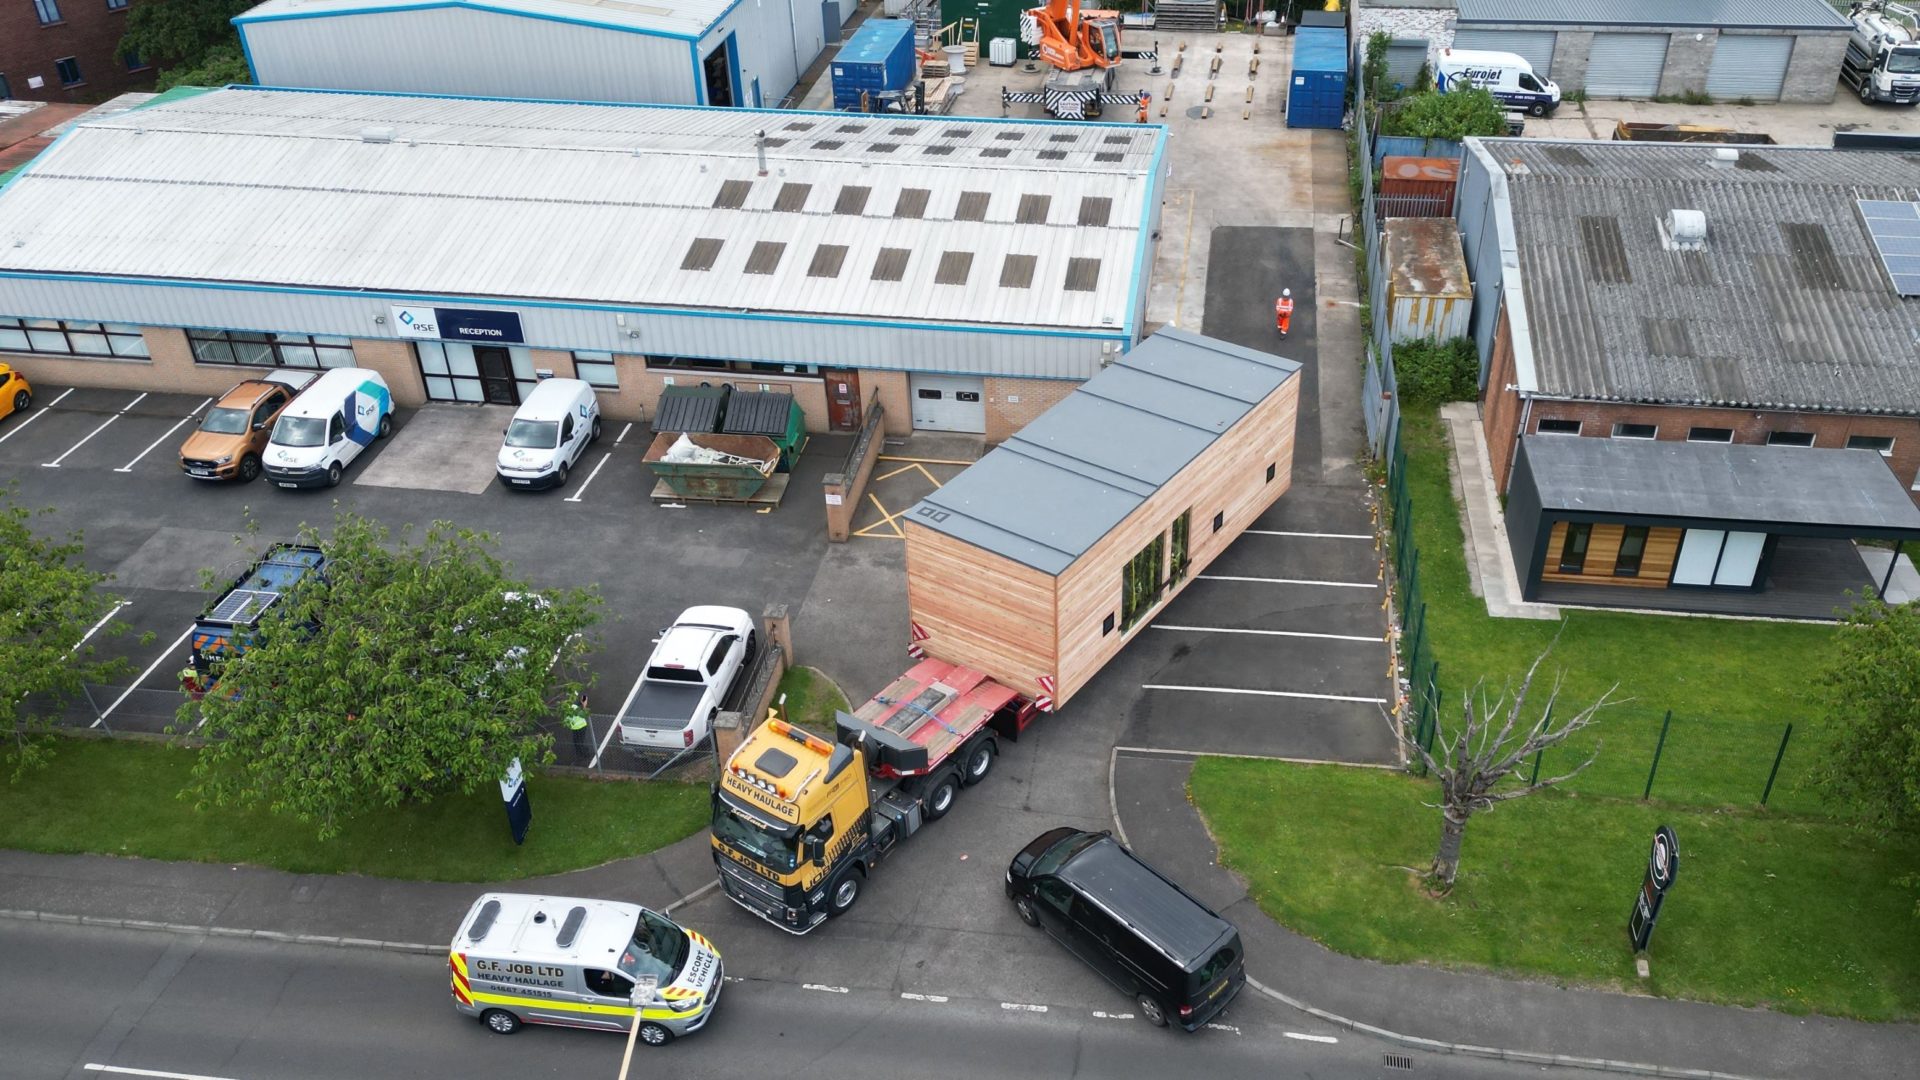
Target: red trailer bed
[{"x": 929, "y": 712}]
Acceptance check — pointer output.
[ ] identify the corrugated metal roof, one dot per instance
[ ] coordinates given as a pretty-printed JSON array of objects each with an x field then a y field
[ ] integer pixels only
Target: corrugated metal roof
[
  {"x": 1785, "y": 307},
  {"x": 1046, "y": 495},
  {"x": 1731, "y": 14},
  {"x": 584, "y": 203},
  {"x": 676, "y": 18},
  {"x": 1734, "y": 482},
  {"x": 1426, "y": 258}
]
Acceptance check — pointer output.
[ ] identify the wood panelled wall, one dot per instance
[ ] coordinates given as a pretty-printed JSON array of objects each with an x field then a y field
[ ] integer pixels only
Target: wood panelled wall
[
  {"x": 1603, "y": 549},
  {"x": 980, "y": 610}
]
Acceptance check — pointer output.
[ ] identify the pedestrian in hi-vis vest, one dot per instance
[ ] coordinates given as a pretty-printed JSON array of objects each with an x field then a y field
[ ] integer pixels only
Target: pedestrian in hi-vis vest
[
  {"x": 574, "y": 716},
  {"x": 1283, "y": 312}
]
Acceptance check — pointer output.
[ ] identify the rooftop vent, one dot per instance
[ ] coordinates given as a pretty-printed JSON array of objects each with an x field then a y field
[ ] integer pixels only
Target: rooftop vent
[
  {"x": 1723, "y": 157},
  {"x": 1683, "y": 230},
  {"x": 376, "y": 134}
]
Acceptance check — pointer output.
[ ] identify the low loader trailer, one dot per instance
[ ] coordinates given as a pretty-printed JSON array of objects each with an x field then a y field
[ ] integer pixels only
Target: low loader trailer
[{"x": 799, "y": 823}]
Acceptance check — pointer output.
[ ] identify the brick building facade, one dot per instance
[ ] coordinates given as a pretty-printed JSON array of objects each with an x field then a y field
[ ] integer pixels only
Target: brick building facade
[{"x": 71, "y": 47}]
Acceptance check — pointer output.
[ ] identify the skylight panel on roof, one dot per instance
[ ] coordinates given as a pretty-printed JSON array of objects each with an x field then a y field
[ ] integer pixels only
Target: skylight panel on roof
[
  {"x": 765, "y": 257},
  {"x": 912, "y": 202},
  {"x": 733, "y": 195},
  {"x": 701, "y": 254},
  {"x": 891, "y": 265},
  {"x": 1083, "y": 275},
  {"x": 1017, "y": 271},
  {"x": 827, "y": 259},
  {"x": 972, "y": 206},
  {"x": 852, "y": 200},
  {"x": 1096, "y": 210},
  {"x": 954, "y": 268},
  {"x": 792, "y": 197},
  {"x": 1033, "y": 209}
]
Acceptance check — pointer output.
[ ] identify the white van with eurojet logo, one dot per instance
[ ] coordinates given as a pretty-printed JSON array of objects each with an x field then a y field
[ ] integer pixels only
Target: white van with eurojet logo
[
  {"x": 549, "y": 434},
  {"x": 600, "y": 964},
  {"x": 327, "y": 426},
  {"x": 1507, "y": 76}
]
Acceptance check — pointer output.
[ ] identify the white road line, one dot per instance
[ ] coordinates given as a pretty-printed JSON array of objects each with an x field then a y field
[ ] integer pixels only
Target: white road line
[
  {"x": 1111, "y": 1016},
  {"x": 825, "y": 989},
  {"x": 37, "y": 414},
  {"x": 1224, "y": 1027},
  {"x": 1303, "y": 1037},
  {"x": 96, "y": 626},
  {"x": 1017, "y": 1006},
  {"x": 1270, "y": 633},
  {"x": 1265, "y": 693},
  {"x": 55, "y": 463},
  {"x": 1292, "y": 581},
  {"x": 584, "y": 484},
  {"x": 1311, "y": 535},
  {"x": 937, "y": 999},
  {"x": 615, "y": 726},
  {"x": 623, "y": 434},
  {"x": 128, "y": 467},
  {"x": 120, "y": 1071},
  {"x": 128, "y": 692}
]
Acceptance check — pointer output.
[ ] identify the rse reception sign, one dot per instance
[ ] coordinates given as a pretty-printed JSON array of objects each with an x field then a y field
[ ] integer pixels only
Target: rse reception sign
[{"x": 476, "y": 325}]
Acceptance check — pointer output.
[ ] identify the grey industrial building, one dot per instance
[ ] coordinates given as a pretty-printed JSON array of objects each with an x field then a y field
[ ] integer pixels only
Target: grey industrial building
[
  {"x": 674, "y": 52},
  {"x": 967, "y": 272}
]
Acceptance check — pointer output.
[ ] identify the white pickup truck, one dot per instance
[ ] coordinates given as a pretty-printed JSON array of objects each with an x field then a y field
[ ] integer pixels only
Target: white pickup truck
[{"x": 688, "y": 679}]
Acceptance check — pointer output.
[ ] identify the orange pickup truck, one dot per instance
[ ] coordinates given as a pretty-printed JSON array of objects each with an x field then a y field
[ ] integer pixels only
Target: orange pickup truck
[{"x": 227, "y": 444}]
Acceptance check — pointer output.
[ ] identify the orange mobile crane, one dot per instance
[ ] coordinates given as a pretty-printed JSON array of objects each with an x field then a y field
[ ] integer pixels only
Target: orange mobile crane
[{"x": 1083, "y": 48}]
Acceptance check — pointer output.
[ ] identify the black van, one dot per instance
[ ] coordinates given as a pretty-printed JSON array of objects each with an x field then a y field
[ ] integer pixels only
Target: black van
[{"x": 1148, "y": 936}]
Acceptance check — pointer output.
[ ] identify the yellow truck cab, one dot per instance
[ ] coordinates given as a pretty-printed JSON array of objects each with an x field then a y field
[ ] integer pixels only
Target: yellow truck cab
[
  {"x": 15, "y": 392},
  {"x": 799, "y": 822},
  {"x": 524, "y": 959}
]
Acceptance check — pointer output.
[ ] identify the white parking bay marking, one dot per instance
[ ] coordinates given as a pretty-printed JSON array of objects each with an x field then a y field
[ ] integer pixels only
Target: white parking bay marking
[
  {"x": 128, "y": 467},
  {"x": 936, "y": 999},
  {"x": 588, "y": 482},
  {"x": 1312, "y": 535},
  {"x": 622, "y": 437},
  {"x": 128, "y": 692},
  {"x": 1225, "y": 1027},
  {"x": 17, "y": 428},
  {"x": 1264, "y": 693},
  {"x": 1111, "y": 1016},
  {"x": 118, "y": 1070},
  {"x": 55, "y": 463},
  {"x": 1270, "y": 633},
  {"x": 1304, "y": 1037},
  {"x": 825, "y": 989},
  {"x": 1292, "y": 581},
  {"x": 1020, "y": 1006},
  {"x": 95, "y": 628}
]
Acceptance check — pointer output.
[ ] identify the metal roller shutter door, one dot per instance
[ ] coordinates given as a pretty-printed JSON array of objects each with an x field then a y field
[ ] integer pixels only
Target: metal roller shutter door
[
  {"x": 1749, "y": 66},
  {"x": 1535, "y": 45},
  {"x": 949, "y": 403},
  {"x": 1626, "y": 65},
  {"x": 1404, "y": 58}
]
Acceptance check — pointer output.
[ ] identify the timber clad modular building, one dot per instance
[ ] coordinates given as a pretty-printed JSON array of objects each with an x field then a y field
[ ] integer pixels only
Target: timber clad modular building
[
  {"x": 670, "y": 52},
  {"x": 1042, "y": 559},
  {"x": 1745, "y": 321},
  {"x": 963, "y": 271}
]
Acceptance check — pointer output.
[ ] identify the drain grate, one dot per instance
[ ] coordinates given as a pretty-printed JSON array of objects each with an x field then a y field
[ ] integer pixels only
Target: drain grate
[{"x": 1397, "y": 1061}]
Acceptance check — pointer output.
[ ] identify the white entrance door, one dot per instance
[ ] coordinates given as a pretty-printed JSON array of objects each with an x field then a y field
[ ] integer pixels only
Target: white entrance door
[
  {"x": 949, "y": 403},
  {"x": 1740, "y": 559},
  {"x": 1699, "y": 551}
]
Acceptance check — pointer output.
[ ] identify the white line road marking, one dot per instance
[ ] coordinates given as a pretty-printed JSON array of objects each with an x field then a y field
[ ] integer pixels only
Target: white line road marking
[
  {"x": 1265, "y": 693},
  {"x": 1270, "y": 633},
  {"x": 96, "y": 626},
  {"x": 584, "y": 484},
  {"x": 1167, "y": 752},
  {"x": 37, "y": 414},
  {"x": 1309, "y": 1038},
  {"x": 120, "y": 1071},
  {"x": 615, "y": 726},
  {"x": 937, "y": 999},
  {"x": 1224, "y": 1027},
  {"x": 623, "y": 433},
  {"x": 1111, "y": 1016},
  {"x": 1292, "y": 581},
  {"x": 1312, "y": 535},
  {"x": 128, "y": 467},
  {"x": 55, "y": 463},
  {"x": 1016, "y": 1006},
  {"x": 825, "y": 989},
  {"x": 128, "y": 692}
]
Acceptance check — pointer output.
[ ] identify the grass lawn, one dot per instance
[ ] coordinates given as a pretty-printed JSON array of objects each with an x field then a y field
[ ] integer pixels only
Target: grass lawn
[
  {"x": 1733, "y": 685},
  {"x": 1790, "y": 912},
  {"x": 118, "y": 797},
  {"x": 811, "y": 700}
]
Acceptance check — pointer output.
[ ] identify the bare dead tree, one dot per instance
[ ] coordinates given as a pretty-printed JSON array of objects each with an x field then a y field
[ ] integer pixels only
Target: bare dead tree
[{"x": 1491, "y": 742}]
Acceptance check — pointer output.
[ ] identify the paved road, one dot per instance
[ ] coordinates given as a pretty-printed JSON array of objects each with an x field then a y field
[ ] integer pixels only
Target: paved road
[{"x": 210, "y": 1009}]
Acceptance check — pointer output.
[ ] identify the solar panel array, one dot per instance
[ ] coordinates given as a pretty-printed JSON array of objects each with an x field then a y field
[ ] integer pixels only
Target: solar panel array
[
  {"x": 242, "y": 607},
  {"x": 1895, "y": 228}
]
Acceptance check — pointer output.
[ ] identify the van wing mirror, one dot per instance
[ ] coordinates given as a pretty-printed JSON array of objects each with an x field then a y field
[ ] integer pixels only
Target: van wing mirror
[{"x": 815, "y": 850}]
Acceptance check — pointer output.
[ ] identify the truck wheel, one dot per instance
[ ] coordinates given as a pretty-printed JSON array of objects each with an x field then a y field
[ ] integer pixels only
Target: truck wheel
[
  {"x": 842, "y": 894},
  {"x": 1538, "y": 108},
  {"x": 500, "y": 1021},
  {"x": 654, "y": 1035},
  {"x": 940, "y": 797},
  {"x": 1028, "y": 915},
  {"x": 249, "y": 468},
  {"x": 386, "y": 426},
  {"x": 979, "y": 763},
  {"x": 333, "y": 475},
  {"x": 1866, "y": 91},
  {"x": 751, "y": 652},
  {"x": 1151, "y": 1011}
]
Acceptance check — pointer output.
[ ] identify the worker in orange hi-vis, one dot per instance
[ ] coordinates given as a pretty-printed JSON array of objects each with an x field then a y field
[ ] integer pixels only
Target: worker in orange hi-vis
[
  {"x": 1145, "y": 100},
  {"x": 1283, "y": 312}
]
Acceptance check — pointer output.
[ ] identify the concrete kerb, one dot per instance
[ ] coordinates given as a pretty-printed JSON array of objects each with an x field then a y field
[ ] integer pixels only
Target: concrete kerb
[{"x": 1437, "y": 1046}]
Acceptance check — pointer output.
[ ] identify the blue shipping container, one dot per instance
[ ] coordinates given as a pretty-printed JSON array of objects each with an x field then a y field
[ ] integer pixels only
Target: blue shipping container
[
  {"x": 1317, "y": 96},
  {"x": 879, "y": 59}
]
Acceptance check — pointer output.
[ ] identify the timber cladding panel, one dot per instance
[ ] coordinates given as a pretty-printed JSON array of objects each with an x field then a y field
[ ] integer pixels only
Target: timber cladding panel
[
  {"x": 981, "y": 610},
  {"x": 1603, "y": 551}
]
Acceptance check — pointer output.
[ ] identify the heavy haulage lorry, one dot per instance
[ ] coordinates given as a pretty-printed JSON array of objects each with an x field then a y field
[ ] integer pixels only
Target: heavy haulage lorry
[
  {"x": 799, "y": 822},
  {"x": 1883, "y": 52}
]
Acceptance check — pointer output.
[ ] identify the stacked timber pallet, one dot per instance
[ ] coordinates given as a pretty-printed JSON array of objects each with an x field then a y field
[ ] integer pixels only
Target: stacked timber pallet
[{"x": 1186, "y": 15}]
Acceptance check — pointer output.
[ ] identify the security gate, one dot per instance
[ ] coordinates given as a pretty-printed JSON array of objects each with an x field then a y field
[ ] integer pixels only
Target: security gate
[
  {"x": 949, "y": 403},
  {"x": 1535, "y": 46},
  {"x": 1626, "y": 65},
  {"x": 1749, "y": 66}
]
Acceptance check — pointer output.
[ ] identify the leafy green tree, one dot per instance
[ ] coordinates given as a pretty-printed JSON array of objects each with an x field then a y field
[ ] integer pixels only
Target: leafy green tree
[
  {"x": 1871, "y": 695},
  {"x": 1455, "y": 114},
  {"x": 49, "y": 601},
  {"x": 407, "y": 669},
  {"x": 191, "y": 42}
]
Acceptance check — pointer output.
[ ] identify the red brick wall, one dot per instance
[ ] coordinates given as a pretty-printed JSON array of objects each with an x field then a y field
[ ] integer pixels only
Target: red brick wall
[
  {"x": 1006, "y": 416},
  {"x": 1499, "y": 406},
  {"x": 88, "y": 32}
]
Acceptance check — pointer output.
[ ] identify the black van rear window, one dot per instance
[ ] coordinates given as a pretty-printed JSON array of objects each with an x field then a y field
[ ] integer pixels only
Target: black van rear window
[{"x": 1216, "y": 966}]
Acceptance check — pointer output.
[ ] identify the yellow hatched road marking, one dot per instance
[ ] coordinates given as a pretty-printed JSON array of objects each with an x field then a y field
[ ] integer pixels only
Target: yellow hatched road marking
[{"x": 924, "y": 460}]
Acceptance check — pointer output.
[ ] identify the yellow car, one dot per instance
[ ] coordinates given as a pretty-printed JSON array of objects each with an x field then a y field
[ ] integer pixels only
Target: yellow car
[{"x": 15, "y": 392}]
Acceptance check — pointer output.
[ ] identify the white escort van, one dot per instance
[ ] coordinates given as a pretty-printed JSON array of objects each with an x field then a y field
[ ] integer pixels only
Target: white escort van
[
  {"x": 1507, "y": 76},
  {"x": 524, "y": 959},
  {"x": 549, "y": 434},
  {"x": 327, "y": 426}
]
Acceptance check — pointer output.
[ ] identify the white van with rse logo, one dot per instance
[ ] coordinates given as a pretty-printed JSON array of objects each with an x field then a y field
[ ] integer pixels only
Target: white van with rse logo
[
  {"x": 327, "y": 426},
  {"x": 549, "y": 434}
]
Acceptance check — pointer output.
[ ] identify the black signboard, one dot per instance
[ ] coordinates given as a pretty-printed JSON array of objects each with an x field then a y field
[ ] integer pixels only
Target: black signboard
[
  {"x": 1663, "y": 864},
  {"x": 475, "y": 324},
  {"x": 513, "y": 792}
]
